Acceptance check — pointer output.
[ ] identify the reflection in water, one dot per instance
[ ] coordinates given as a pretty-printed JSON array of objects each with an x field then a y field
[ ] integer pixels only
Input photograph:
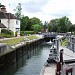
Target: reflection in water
[
  {"x": 31, "y": 63},
  {"x": 35, "y": 62}
]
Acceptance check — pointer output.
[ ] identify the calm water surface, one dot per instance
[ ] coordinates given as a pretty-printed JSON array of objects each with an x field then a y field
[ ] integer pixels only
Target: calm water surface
[{"x": 33, "y": 62}]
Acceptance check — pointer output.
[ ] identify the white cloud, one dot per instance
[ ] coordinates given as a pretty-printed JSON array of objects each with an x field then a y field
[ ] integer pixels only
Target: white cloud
[
  {"x": 44, "y": 9},
  {"x": 60, "y": 8}
]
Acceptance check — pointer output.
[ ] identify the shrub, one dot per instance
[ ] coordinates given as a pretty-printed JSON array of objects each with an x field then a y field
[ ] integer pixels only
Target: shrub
[
  {"x": 22, "y": 33},
  {"x": 5, "y": 35},
  {"x": 74, "y": 33},
  {"x": 29, "y": 32},
  {"x": 4, "y": 31}
]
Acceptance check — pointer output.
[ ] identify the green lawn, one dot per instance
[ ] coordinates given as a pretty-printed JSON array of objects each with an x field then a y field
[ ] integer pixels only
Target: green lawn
[
  {"x": 12, "y": 41},
  {"x": 32, "y": 37},
  {"x": 17, "y": 40}
]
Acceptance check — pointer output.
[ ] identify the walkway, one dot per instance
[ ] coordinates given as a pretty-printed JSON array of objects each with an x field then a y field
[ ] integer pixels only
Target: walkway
[
  {"x": 67, "y": 55},
  {"x": 50, "y": 70}
]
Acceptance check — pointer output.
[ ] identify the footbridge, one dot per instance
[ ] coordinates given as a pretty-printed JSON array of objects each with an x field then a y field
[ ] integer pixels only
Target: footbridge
[{"x": 49, "y": 36}]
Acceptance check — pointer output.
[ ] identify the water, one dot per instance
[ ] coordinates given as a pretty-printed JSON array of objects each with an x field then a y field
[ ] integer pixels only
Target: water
[
  {"x": 32, "y": 63},
  {"x": 36, "y": 61}
]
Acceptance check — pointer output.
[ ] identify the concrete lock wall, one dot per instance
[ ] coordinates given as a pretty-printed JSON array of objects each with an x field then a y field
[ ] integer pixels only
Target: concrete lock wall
[{"x": 11, "y": 60}]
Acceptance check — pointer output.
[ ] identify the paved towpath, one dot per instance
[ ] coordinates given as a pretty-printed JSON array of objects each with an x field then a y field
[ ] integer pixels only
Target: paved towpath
[{"x": 67, "y": 55}]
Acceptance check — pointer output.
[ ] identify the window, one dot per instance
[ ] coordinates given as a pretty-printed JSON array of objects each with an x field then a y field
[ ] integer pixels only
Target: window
[
  {"x": 17, "y": 29},
  {"x": 17, "y": 22}
]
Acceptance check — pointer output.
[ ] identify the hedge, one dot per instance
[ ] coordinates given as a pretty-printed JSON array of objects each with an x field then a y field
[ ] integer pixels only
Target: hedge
[{"x": 22, "y": 33}]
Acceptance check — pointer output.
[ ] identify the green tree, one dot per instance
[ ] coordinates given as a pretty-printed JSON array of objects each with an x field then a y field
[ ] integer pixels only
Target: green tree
[
  {"x": 25, "y": 23},
  {"x": 53, "y": 25},
  {"x": 35, "y": 20},
  {"x": 64, "y": 24},
  {"x": 37, "y": 28},
  {"x": 72, "y": 28},
  {"x": 60, "y": 25},
  {"x": 18, "y": 11}
]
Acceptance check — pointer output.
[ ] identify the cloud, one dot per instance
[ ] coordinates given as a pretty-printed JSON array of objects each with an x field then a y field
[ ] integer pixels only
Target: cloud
[
  {"x": 44, "y": 9},
  {"x": 61, "y": 13},
  {"x": 34, "y": 6}
]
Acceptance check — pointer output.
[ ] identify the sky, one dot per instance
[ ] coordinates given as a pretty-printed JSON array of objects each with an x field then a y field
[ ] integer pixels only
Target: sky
[{"x": 45, "y": 10}]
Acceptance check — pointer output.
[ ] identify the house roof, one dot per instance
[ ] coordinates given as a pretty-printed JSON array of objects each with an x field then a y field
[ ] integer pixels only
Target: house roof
[
  {"x": 11, "y": 16},
  {"x": 2, "y": 25},
  {"x": 7, "y": 16},
  {"x": 3, "y": 15}
]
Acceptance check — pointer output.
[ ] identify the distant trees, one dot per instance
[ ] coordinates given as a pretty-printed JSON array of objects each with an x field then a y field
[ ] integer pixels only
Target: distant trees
[
  {"x": 35, "y": 20},
  {"x": 60, "y": 25},
  {"x": 30, "y": 24},
  {"x": 37, "y": 28},
  {"x": 72, "y": 28}
]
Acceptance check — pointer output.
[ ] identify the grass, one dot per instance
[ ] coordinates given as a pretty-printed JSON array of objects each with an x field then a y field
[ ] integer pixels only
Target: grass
[
  {"x": 63, "y": 43},
  {"x": 32, "y": 37},
  {"x": 12, "y": 41}
]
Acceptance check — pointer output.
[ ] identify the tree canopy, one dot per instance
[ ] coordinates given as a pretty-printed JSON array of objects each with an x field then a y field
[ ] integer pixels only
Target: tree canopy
[
  {"x": 35, "y": 20},
  {"x": 26, "y": 23},
  {"x": 37, "y": 28},
  {"x": 60, "y": 25}
]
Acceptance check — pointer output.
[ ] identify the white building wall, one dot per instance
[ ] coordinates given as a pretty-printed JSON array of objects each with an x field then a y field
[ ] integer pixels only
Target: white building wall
[
  {"x": 17, "y": 27},
  {"x": 18, "y": 24},
  {"x": 12, "y": 24},
  {"x": 5, "y": 22}
]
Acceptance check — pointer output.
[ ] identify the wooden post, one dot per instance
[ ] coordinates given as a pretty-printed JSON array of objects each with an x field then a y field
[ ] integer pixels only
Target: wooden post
[
  {"x": 69, "y": 71},
  {"x": 61, "y": 57},
  {"x": 58, "y": 68}
]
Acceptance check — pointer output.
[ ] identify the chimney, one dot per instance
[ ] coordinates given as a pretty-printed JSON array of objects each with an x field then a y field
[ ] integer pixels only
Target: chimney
[{"x": 3, "y": 9}]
